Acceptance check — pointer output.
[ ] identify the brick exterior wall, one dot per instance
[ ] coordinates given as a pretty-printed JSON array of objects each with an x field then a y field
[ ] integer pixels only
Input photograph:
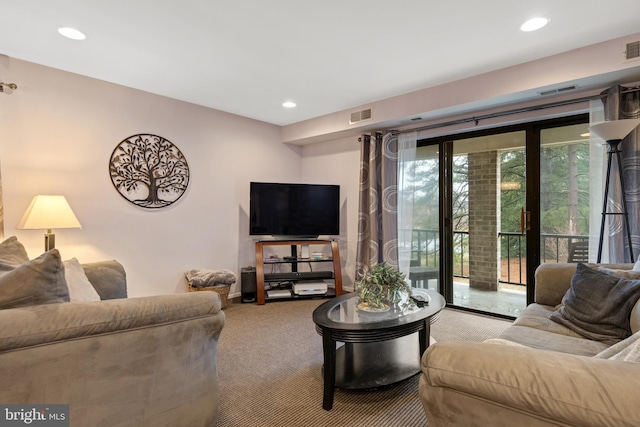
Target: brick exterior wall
[{"x": 484, "y": 219}]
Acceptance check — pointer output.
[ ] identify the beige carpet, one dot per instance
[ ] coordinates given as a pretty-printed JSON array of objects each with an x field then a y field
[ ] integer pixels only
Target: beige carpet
[{"x": 270, "y": 370}]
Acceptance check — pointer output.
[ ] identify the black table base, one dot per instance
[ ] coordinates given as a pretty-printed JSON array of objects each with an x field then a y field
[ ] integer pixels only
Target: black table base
[
  {"x": 377, "y": 364},
  {"x": 373, "y": 353}
]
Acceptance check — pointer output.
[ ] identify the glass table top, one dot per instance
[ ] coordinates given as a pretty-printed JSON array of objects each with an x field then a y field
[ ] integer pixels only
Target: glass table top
[{"x": 347, "y": 311}]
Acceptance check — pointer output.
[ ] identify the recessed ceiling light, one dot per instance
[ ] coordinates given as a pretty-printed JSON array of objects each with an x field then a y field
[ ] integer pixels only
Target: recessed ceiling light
[
  {"x": 288, "y": 104},
  {"x": 584, "y": 135},
  {"x": 534, "y": 24},
  {"x": 72, "y": 33}
]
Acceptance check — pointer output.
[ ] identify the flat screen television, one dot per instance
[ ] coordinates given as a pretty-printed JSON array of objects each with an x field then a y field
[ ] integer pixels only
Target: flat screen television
[{"x": 294, "y": 210}]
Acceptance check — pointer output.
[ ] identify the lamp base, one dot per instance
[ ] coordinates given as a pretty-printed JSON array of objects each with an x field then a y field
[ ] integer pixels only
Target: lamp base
[{"x": 49, "y": 241}]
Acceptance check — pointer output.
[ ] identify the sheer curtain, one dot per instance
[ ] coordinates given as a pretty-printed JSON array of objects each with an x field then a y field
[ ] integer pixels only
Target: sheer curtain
[
  {"x": 377, "y": 210},
  {"x": 597, "y": 168},
  {"x": 621, "y": 103},
  {"x": 406, "y": 192}
]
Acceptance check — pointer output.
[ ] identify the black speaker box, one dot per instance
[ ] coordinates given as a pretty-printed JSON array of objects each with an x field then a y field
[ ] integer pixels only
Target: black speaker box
[{"x": 248, "y": 284}]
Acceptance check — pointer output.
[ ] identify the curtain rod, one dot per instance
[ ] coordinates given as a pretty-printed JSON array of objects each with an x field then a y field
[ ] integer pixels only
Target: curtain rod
[{"x": 476, "y": 119}]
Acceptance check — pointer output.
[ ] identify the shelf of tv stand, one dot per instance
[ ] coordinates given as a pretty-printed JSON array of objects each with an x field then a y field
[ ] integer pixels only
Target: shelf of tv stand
[
  {"x": 331, "y": 292},
  {"x": 294, "y": 276}
]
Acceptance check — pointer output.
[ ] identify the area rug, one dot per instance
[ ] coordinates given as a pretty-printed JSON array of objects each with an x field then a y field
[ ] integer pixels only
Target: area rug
[{"x": 270, "y": 370}]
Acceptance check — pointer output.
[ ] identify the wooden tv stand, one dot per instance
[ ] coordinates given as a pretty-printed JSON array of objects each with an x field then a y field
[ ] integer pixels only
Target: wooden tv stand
[{"x": 294, "y": 260}]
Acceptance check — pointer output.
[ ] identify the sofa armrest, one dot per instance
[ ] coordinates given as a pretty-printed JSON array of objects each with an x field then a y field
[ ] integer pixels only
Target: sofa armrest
[
  {"x": 108, "y": 278},
  {"x": 567, "y": 389},
  {"x": 50, "y": 323},
  {"x": 149, "y": 361}
]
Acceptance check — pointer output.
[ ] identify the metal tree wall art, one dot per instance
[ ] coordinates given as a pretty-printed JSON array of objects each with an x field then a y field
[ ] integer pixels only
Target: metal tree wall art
[{"x": 149, "y": 171}]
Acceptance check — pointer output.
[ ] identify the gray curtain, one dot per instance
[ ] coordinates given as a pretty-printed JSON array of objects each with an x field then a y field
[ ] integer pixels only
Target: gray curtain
[
  {"x": 377, "y": 210},
  {"x": 623, "y": 103},
  {"x": 1, "y": 212}
]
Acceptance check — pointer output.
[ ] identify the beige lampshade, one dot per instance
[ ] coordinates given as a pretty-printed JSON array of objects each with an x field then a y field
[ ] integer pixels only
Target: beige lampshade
[
  {"x": 615, "y": 129},
  {"x": 47, "y": 212}
]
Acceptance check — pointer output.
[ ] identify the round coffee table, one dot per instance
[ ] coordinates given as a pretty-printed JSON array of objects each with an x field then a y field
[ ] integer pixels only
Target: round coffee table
[{"x": 379, "y": 348}]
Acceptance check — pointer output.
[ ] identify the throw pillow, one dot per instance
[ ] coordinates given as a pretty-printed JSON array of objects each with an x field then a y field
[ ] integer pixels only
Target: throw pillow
[
  {"x": 627, "y": 274},
  {"x": 39, "y": 281},
  {"x": 12, "y": 254},
  {"x": 627, "y": 350},
  {"x": 598, "y": 305},
  {"x": 80, "y": 288}
]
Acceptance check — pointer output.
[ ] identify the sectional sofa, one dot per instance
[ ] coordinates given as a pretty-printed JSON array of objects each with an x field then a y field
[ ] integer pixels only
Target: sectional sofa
[{"x": 554, "y": 366}]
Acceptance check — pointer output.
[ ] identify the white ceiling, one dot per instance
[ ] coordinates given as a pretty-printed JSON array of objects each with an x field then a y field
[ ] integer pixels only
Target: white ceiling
[{"x": 248, "y": 56}]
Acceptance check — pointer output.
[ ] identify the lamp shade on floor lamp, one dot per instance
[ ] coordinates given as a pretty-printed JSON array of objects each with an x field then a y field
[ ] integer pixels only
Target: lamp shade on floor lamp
[{"x": 615, "y": 129}]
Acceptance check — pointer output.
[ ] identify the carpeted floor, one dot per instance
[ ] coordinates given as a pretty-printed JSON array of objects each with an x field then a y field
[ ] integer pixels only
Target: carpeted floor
[{"x": 270, "y": 370}]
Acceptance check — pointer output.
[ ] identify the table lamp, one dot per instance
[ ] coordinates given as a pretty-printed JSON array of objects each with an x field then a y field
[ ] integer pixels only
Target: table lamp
[
  {"x": 613, "y": 133},
  {"x": 47, "y": 212}
]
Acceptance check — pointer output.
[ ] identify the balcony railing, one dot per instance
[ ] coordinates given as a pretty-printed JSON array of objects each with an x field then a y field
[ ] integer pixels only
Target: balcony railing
[{"x": 425, "y": 251}]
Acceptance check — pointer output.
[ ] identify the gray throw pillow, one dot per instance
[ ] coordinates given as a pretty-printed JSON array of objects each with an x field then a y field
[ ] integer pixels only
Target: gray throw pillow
[
  {"x": 12, "y": 254},
  {"x": 39, "y": 281},
  {"x": 598, "y": 305}
]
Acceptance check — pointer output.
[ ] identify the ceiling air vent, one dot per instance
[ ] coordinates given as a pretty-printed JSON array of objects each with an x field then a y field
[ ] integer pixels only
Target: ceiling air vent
[
  {"x": 632, "y": 51},
  {"x": 559, "y": 90},
  {"x": 359, "y": 116}
]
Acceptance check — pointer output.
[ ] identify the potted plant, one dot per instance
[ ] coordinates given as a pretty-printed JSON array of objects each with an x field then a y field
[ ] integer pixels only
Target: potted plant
[{"x": 381, "y": 287}]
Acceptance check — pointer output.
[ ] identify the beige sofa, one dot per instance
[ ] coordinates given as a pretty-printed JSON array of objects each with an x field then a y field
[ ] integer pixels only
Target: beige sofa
[
  {"x": 117, "y": 362},
  {"x": 538, "y": 373}
]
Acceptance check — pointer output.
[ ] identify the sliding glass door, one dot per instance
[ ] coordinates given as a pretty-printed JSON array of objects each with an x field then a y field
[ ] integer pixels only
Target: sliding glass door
[{"x": 492, "y": 205}]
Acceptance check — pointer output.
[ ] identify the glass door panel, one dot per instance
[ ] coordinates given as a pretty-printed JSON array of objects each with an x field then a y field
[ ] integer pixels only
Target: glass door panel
[
  {"x": 424, "y": 271},
  {"x": 489, "y": 246},
  {"x": 564, "y": 194}
]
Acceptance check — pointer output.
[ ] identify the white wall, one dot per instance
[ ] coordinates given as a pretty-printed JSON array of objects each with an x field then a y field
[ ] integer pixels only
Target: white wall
[
  {"x": 57, "y": 133},
  {"x": 588, "y": 68},
  {"x": 338, "y": 162}
]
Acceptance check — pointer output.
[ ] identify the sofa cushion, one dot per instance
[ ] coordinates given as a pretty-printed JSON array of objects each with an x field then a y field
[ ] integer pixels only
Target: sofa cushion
[
  {"x": 536, "y": 316},
  {"x": 598, "y": 305},
  {"x": 545, "y": 340},
  {"x": 12, "y": 254},
  {"x": 80, "y": 289},
  {"x": 39, "y": 281}
]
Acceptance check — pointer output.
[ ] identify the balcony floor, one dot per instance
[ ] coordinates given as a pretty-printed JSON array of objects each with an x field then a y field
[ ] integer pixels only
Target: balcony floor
[{"x": 509, "y": 300}]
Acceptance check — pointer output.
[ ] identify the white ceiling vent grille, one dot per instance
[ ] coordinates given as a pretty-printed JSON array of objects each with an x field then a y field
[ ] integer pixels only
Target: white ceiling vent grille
[
  {"x": 359, "y": 116},
  {"x": 632, "y": 51},
  {"x": 559, "y": 90}
]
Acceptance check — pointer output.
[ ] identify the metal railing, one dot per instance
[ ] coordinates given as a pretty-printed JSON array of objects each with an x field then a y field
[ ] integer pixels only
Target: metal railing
[{"x": 425, "y": 251}]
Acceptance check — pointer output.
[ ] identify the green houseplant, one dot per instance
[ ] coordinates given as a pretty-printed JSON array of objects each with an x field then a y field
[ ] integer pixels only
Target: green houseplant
[{"x": 381, "y": 287}]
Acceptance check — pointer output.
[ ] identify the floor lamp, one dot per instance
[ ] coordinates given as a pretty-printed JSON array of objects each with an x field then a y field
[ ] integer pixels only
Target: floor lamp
[{"x": 613, "y": 133}]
